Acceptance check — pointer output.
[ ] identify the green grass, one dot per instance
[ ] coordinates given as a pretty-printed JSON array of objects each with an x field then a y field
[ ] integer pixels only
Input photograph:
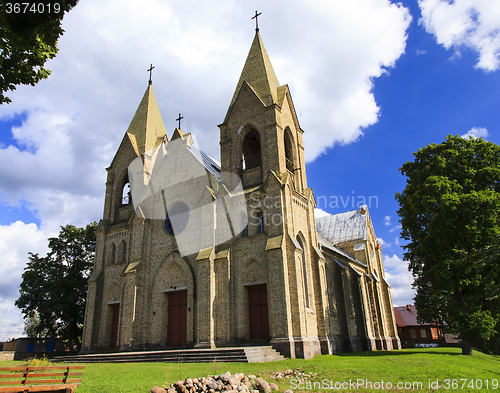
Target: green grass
[{"x": 405, "y": 366}]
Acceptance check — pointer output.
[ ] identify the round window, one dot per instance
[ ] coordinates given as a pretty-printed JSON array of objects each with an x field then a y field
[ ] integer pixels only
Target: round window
[{"x": 177, "y": 218}]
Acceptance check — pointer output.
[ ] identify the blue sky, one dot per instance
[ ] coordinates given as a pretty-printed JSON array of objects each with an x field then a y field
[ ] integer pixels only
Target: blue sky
[{"x": 372, "y": 81}]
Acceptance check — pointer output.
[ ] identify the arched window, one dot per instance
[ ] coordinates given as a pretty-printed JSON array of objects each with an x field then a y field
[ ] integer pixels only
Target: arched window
[
  {"x": 124, "y": 250},
  {"x": 126, "y": 196},
  {"x": 113, "y": 253},
  {"x": 260, "y": 222},
  {"x": 251, "y": 150},
  {"x": 288, "y": 150},
  {"x": 304, "y": 268}
]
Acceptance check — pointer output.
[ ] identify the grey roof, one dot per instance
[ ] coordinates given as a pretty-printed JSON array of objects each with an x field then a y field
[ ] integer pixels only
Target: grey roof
[
  {"x": 325, "y": 243},
  {"x": 208, "y": 162},
  {"x": 344, "y": 227}
]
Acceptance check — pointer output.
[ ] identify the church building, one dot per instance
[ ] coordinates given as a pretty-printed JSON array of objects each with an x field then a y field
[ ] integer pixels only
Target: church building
[{"x": 193, "y": 253}]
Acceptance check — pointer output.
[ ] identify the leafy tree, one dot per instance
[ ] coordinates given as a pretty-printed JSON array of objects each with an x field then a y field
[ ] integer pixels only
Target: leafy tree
[
  {"x": 54, "y": 287},
  {"x": 487, "y": 261},
  {"x": 449, "y": 212},
  {"x": 29, "y": 32},
  {"x": 31, "y": 327}
]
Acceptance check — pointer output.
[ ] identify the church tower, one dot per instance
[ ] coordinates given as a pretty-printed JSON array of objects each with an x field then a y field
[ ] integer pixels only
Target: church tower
[
  {"x": 113, "y": 286},
  {"x": 261, "y": 141}
]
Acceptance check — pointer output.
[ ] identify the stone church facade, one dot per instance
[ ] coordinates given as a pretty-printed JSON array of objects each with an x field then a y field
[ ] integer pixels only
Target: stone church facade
[{"x": 305, "y": 286}]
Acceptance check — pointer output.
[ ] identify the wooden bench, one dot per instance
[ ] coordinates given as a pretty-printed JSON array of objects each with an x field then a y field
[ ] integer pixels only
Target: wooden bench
[{"x": 40, "y": 379}]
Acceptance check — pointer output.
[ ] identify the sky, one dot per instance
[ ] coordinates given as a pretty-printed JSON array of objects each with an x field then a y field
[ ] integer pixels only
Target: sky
[{"x": 372, "y": 82}]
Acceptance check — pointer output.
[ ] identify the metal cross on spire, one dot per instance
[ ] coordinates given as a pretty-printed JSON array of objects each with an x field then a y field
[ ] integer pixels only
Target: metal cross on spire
[
  {"x": 256, "y": 17},
  {"x": 179, "y": 120},
  {"x": 150, "y": 74}
]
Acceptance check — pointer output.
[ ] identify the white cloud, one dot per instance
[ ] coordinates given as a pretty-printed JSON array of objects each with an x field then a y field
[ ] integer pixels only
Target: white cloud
[
  {"x": 320, "y": 213},
  {"x": 16, "y": 240},
  {"x": 75, "y": 120},
  {"x": 476, "y": 132},
  {"x": 397, "y": 227},
  {"x": 384, "y": 243},
  {"x": 466, "y": 23},
  {"x": 397, "y": 274},
  {"x": 387, "y": 220}
]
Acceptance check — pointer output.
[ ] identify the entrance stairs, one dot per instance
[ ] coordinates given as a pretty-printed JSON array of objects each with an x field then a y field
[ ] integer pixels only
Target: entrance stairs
[{"x": 251, "y": 354}]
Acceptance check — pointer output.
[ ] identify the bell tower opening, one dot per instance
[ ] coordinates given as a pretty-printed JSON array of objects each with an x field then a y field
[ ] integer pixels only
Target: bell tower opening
[
  {"x": 252, "y": 155},
  {"x": 126, "y": 199}
]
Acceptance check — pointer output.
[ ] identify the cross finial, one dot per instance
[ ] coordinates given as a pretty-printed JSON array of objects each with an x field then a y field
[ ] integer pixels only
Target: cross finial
[
  {"x": 150, "y": 74},
  {"x": 256, "y": 17},
  {"x": 179, "y": 120}
]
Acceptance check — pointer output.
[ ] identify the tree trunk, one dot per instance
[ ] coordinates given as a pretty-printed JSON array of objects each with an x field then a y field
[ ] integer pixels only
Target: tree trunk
[{"x": 466, "y": 347}]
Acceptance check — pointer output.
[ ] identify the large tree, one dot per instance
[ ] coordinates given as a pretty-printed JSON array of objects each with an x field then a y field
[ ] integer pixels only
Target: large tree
[
  {"x": 29, "y": 31},
  {"x": 449, "y": 212},
  {"x": 54, "y": 287}
]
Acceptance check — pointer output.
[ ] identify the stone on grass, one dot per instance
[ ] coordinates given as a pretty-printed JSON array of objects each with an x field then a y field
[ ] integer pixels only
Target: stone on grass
[
  {"x": 158, "y": 389},
  {"x": 262, "y": 385},
  {"x": 234, "y": 380},
  {"x": 273, "y": 386}
]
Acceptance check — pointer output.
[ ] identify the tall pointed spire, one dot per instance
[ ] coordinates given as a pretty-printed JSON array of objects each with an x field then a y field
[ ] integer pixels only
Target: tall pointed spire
[
  {"x": 146, "y": 130},
  {"x": 259, "y": 74}
]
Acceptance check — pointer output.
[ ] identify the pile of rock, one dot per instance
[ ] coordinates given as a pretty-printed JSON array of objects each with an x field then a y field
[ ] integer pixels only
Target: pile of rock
[
  {"x": 227, "y": 383},
  {"x": 296, "y": 374}
]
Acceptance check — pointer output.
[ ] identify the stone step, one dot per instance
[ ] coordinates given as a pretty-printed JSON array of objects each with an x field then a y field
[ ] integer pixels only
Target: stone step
[
  {"x": 246, "y": 354},
  {"x": 263, "y": 354}
]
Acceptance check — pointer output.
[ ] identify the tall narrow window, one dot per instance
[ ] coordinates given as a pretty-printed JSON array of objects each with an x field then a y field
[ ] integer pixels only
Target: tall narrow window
[
  {"x": 260, "y": 222},
  {"x": 304, "y": 268},
  {"x": 113, "y": 253},
  {"x": 288, "y": 150},
  {"x": 124, "y": 251},
  {"x": 251, "y": 150}
]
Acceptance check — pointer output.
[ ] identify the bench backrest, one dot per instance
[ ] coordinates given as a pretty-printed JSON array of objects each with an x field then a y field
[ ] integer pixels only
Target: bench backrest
[{"x": 36, "y": 375}]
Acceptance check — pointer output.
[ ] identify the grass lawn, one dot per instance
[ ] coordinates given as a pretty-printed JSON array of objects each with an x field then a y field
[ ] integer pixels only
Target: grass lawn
[{"x": 413, "y": 369}]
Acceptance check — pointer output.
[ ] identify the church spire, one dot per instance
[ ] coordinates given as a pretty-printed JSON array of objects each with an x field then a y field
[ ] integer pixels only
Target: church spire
[
  {"x": 146, "y": 130},
  {"x": 259, "y": 74}
]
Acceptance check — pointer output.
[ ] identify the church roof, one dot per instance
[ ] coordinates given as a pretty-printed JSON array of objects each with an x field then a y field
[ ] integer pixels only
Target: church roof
[
  {"x": 146, "y": 130},
  {"x": 259, "y": 74},
  {"x": 325, "y": 243},
  {"x": 344, "y": 227},
  {"x": 208, "y": 162}
]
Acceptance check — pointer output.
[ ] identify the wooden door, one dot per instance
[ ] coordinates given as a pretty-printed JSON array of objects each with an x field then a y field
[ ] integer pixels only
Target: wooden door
[
  {"x": 177, "y": 319},
  {"x": 258, "y": 314},
  {"x": 114, "y": 324}
]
